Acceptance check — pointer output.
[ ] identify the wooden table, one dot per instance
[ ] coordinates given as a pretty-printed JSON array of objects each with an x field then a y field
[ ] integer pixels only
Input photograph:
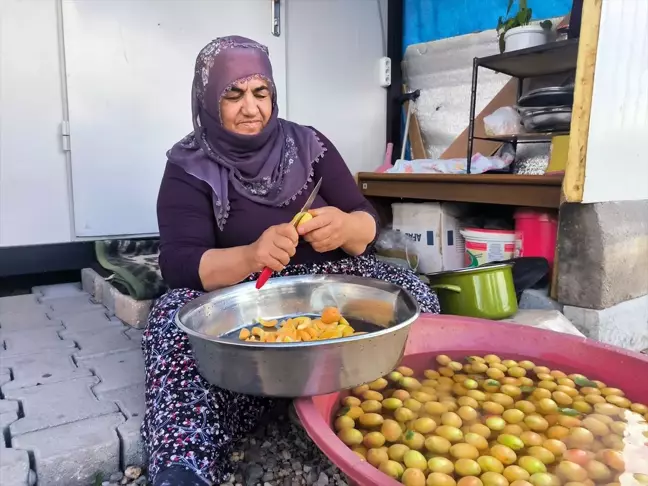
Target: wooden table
[{"x": 540, "y": 191}]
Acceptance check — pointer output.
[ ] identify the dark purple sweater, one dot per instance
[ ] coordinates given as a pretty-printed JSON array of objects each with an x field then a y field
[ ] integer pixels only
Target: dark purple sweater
[{"x": 188, "y": 226}]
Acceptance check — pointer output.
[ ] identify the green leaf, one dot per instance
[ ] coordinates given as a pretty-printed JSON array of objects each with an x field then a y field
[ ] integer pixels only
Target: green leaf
[
  {"x": 569, "y": 411},
  {"x": 469, "y": 359},
  {"x": 493, "y": 383},
  {"x": 523, "y": 4},
  {"x": 343, "y": 411},
  {"x": 502, "y": 43},
  {"x": 409, "y": 435},
  {"x": 527, "y": 389},
  {"x": 582, "y": 381}
]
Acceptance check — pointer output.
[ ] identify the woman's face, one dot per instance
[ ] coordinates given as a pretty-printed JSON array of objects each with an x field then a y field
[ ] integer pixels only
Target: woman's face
[{"x": 246, "y": 108}]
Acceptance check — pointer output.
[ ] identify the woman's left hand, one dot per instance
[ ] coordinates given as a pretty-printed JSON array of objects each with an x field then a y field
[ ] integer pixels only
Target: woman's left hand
[{"x": 328, "y": 230}]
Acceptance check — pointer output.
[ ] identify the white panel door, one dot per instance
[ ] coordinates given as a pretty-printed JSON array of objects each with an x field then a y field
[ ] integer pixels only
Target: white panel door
[{"x": 129, "y": 67}]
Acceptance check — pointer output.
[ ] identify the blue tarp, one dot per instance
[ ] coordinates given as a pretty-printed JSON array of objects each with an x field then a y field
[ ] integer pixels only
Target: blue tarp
[{"x": 429, "y": 20}]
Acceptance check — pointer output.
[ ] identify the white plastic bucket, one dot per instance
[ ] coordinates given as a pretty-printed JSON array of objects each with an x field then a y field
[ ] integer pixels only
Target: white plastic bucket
[
  {"x": 524, "y": 36},
  {"x": 485, "y": 246}
]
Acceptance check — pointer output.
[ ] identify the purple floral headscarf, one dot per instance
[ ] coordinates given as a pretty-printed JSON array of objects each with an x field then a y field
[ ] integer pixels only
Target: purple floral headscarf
[{"x": 272, "y": 167}]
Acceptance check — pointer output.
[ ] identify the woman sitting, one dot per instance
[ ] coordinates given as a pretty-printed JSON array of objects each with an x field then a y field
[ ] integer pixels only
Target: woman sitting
[{"x": 227, "y": 196}]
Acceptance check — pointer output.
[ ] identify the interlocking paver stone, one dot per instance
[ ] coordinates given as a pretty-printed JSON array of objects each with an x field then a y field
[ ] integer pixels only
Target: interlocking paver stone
[
  {"x": 56, "y": 291},
  {"x": 57, "y": 404},
  {"x": 33, "y": 340},
  {"x": 72, "y": 454},
  {"x": 101, "y": 342},
  {"x": 116, "y": 371},
  {"x": 14, "y": 468},
  {"x": 29, "y": 321},
  {"x": 132, "y": 444},
  {"x": 72, "y": 305},
  {"x": 41, "y": 368},
  {"x": 92, "y": 320},
  {"x": 19, "y": 304},
  {"x": 130, "y": 399},
  {"x": 7, "y": 406}
]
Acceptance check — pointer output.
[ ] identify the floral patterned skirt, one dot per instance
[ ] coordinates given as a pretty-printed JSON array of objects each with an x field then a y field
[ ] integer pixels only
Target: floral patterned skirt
[{"x": 194, "y": 425}]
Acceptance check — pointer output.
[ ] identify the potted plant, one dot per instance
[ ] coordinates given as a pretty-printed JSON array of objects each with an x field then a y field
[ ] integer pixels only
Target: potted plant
[{"x": 516, "y": 32}]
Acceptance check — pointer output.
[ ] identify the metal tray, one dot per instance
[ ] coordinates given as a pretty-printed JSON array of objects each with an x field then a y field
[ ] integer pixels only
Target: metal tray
[
  {"x": 547, "y": 119},
  {"x": 543, "y": 97}
]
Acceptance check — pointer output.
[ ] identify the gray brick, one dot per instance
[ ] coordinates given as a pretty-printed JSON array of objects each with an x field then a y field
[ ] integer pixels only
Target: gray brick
[
  {"x": 72, "y": 454},
  {"x": 132, "y": 312},
  {"x": 72, "y": 305},
  {"x": 6, "y": 419},
  {"x": 18, "y": 318},
  {"x": 108, "y": 295},
  {"x": 132, "y": 443},
  {"x": 14, "y": 468},
  {"x": 5, "y": 375},
  {"x": 130, "y": 399},
  {"x": 92, "y": 283},
  {"x": 57, "y": 404},
  {"x": 19, "y": 303},
  {"x": 22, "y": 322},
  {"x": 92, "y": 320},
  {"x": 101, "y": 342},
  {"x": 7, "y": 406},
  {"x": 33, "y": 340},
  {"x": 57, "y": 291},
  {"x": 116, "y": 371},
  {"x": 39, "y": 369}
]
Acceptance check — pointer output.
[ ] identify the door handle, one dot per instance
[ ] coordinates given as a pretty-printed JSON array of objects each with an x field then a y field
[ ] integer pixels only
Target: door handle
[{"x": 275, "y": 10}]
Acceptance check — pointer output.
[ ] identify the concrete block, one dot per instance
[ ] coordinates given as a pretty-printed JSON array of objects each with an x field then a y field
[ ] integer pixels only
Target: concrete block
[
  {"x": 92, "y": 283},
  {"x": 40, "y": 369},
  {"x": 601, "y": 249},
  {"x": 5, "y": 375},
  {"x": 98, "y": 343},
  {"x": 72, "y": 454},
  {"x": 33, "y": 340},
  {"x": 14, "y": 468},
  {"x": 132, "y": 312},
  {"x": 108, "y": 295},
  {"x": 539, "y": 299},
  {"x": 57, "y": 291},
  {"x": 61, "y": 403},
  {"x": 91, "y": 320},
  {"x": 116, "y": 371},
  {"x": 22, "y": 322},
  {"x": 624, "y": 325},
  {"x": 132, "y": 443}
]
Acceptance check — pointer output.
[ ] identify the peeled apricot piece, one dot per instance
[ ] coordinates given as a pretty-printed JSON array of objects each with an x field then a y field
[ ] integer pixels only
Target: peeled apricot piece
[
  {"x": 330, "y": 315},
  {"x": 244, "y": 334}
]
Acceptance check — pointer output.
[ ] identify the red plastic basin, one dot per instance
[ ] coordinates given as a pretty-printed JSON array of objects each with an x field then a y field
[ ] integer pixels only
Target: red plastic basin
[{"x": 459, "y": 336}]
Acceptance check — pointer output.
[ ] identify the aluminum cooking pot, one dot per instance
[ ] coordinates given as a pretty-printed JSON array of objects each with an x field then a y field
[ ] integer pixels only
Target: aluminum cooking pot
[{"x": 214, "y": 320}]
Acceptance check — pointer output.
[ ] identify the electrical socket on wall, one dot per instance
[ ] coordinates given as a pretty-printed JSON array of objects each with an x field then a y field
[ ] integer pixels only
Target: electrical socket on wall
[{"x": 384, "y": 72}]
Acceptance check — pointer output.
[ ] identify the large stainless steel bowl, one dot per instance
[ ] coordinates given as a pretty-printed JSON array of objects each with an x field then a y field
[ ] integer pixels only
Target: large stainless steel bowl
[{"x": 298, "y": 369}]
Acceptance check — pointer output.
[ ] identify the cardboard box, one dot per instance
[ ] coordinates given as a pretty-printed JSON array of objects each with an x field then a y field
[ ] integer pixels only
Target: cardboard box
[{"x": 434, "y": 230}]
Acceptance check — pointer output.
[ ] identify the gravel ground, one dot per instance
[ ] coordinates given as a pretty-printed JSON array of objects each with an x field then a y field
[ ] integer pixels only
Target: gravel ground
[{"x": 278, "y": 453}]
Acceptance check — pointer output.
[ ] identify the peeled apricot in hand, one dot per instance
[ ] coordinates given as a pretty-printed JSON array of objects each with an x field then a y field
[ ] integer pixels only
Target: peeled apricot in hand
[
  {"x": 330, "y": 315},
  {"x": 302, "y": 218}
]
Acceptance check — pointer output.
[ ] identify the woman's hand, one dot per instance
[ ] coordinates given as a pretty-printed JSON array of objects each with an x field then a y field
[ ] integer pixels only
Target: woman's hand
[
  {"x": 332, "y": 228},
  {"x": 328, "y": 230},
  {"x": 274, "y": 248}
]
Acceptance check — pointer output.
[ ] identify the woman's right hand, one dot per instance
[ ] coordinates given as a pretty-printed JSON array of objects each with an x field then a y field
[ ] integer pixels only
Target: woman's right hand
[{"x": 274, "y": 248}]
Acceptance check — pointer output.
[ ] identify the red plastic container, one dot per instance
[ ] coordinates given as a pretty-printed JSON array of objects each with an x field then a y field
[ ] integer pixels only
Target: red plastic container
[
  {"x": 535, "y": 234},
  {"x": 459, "y": 336}
]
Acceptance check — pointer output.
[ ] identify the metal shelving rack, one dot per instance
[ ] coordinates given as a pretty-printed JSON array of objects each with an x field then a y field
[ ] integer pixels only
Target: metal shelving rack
[{"x": 552, "y": 58}]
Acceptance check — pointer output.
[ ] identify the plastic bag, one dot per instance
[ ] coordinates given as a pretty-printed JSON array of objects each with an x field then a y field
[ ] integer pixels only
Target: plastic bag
[
  {"x": 395, "y": 247},
  {"x": 503, "y": 121}
]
